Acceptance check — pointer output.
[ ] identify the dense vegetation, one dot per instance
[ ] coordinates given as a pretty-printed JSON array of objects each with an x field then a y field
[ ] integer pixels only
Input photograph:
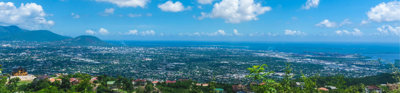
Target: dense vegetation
[{"x": 260, "y": 76}]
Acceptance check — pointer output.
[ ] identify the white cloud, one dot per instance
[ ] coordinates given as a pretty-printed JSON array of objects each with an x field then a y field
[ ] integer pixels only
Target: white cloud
[
  {"x": 389, "y": 11},
  {"x": 293, "y": 32},
  {"x": 134, "y": 15},
  {"x": 205, "y": 1},
  {"x": 76, "y": 16},
  {"x": 133, "y": 32},
  {"x": 170, "y": 6},
  {"x": 142, "y": 33},
  {"x": 345, "y": 22},
  {"x": 326, "y": 23},
  {"x": 103, "y": 31},
  {"x": 355, "y": 32},
  {"x": 236, "y": 32},
  {"x": 28, "y": 16},
  {"x": 148, "y": 32},
  {"x": 388, "y": 29},
  {"x": 363, "y": 22},
  {"x": 311, "y": 4},
  {"x": 217, "y": 33},
  {"x": 236, "y": 11},
  {"x": 109, "y": 10},
  {"x": 127, "y": 3},
  {"x": 220, "y": 32},
  {"x": 90, "y": 32}
]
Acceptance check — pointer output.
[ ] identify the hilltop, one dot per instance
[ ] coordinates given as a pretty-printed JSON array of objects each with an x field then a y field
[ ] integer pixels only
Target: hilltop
[{"x": 14, "y": 33}]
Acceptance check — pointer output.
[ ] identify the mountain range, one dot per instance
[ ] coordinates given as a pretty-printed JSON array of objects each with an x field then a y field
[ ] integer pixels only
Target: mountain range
[{"x": 14, "y": 33}]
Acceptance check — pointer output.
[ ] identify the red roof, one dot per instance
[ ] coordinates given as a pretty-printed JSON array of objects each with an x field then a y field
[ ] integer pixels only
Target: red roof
[
  {"x": 73, "y": 79},
  {"x": 170, "y": 81},
  {"x": 323, "y": 89},
  {"x": 140, "y": 80},
  {"x": 373, "y": 87}
]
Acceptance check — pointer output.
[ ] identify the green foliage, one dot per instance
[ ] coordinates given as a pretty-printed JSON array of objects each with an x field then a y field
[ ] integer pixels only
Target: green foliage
[
  {"x": 261, "y": 83},
  {"x": 287, "y": 84},
  {"x": 257, "y": 73},
  {"x": 310, "y": 84},
  {"x": 12, "y": 84}
]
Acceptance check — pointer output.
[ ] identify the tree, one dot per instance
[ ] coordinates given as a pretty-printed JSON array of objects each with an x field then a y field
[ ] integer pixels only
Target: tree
[
  {"x": 339, "y": 82},
  {"x": 287, "y": 83},
  {"x": 83, "y": 86},
  {"x": 258, "y": 74},
  {"x": 310, "y": 85},
  {"x": 12, "y": 84},
  {"x": 3, "y": 81},
  {"x": 149, "y": 87},
  {"x": 65, "y": 84}
]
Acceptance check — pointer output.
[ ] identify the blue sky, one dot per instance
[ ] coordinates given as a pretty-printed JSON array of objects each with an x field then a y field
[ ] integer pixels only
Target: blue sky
[{"x": 211, "y": 20}]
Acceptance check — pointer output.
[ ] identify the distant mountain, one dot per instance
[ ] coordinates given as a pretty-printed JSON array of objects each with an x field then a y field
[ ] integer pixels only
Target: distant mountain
[
  {"x": 14, "y": 33},
  {"x": 84, "y": 40},
  {"x": 10, "y": 33}
]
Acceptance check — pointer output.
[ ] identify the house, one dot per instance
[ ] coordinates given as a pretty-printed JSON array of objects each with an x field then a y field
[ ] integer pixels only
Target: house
[
  {"x": 154, "y": 83},
  {"x": 19, "y": 72},
  {"x": 373, "y": 89},
  {"x": 392, "y": 86},
  {"x": 238, "y": 88},
  {"x": 168, "y": 82},
  {"x": 331, "y": 87},
  {"x": 323, "y": 89},
  {"x": 73, "y": 81},
  {"x": 22, "y": 74},
  {"x": 204, "y": 85},
  {"x": 300, "y": 84},
  {"x": 54, "y": 79},
  {"x": 219, "y": 90},
  {"x": 93, "y": 79},
  {"x": 139, "y": 82},
  {"x": 111, "y": 85}
]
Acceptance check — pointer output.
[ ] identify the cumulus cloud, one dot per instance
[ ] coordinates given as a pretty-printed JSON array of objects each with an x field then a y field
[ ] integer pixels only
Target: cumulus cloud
[
  {"x": 76, "y": 16},
  {"x": 127, "y": 3},
  {"x": 148, "y": 32},
  {"x": 103, "y": 31},
  {"x": 389, "y": 11},
  {"x": 236, "y": 32},
  {"x": 216, "y": 33},
  {"x": 293, "y": 32},
  {"x": 90, "y": 32},
  {"x": 142, "y": 33},
  {"x": 388, "y": 29},
  {"x": 363, "y": 22},
  {"x": 29, "y": 15},
  {"x": 236, "y": 11},
  {"x": 355, "y": 32},
  {"x": 134, "y": 15},
  {"x": 170, "y": 6},
  {"x": 345, "y": 22},
  {"x": 219, "y": 32},
  {"x": 109, "y": 10},
  {"x": 311, "y": 4},
  {"x": 326, "y": 23},
  {"x": 133, "y": 32},
  {"x": 205, "y": 1}
]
